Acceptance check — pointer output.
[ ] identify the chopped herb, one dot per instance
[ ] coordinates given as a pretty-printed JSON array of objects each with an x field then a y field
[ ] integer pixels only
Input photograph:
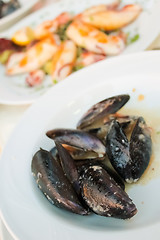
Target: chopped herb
[
  {"x": 132, "y": 39},
  {"x": 79, "y": 51},
  {"x": 158, "y": 132},
  {"x": 55, "y": 81},
  {"x": 78, "y": 67},
  {"x": 62, "y": 31}
]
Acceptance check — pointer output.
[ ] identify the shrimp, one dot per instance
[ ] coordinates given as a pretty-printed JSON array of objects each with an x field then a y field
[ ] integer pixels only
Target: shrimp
[
  {"x": 63, "y": 61},
  {"x": 87, "y": 58},
  {"x": 35, "y": 78},
  {"x": 34, "y": 58},
  {"x": 87, "y": 36},
  {"x": 100, "y": 8},
  {"x": 112, "y": 19},
  {"x": 51, "y": 26}
]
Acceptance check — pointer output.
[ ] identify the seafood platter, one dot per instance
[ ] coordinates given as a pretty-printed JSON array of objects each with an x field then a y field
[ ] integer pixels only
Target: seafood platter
[
  {"x": 55, "y": 42},
  {"x": 88, "y": 162}
]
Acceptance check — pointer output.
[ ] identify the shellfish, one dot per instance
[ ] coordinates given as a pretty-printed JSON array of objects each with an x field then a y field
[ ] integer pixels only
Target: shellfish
[{"x": 129, "y": 158}]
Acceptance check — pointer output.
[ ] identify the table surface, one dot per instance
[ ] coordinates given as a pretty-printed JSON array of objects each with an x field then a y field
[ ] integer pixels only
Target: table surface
[{"x": 11, "y": 115}]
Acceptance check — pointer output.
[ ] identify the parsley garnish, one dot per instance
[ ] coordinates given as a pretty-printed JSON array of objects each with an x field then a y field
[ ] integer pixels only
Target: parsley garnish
[{"x": 132, "y": 39}]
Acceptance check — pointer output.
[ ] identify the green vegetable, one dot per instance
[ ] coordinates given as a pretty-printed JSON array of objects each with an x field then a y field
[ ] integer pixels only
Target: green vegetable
[
  {"x": 77, "y": 67},
  {"x": 4, "y": 56},
  {"x": 79, "y": 51},
  {"x": 47, "y": 67},
  {"x": 132, "y": 39},
  {"x": 62, "y": 31},
  {"x": 55, "y": 81}
]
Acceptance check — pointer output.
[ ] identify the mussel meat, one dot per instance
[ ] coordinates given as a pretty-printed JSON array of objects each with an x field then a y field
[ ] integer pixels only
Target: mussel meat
[{"x": 80, "y": 144}]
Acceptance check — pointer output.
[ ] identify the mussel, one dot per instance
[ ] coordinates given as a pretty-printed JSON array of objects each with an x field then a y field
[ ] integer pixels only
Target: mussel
[
  {"x": 92, "y": 188},
  {"x": 104, "y": 196},
  {"x": 125, "y": 121},
  {"x": 52, "y": 181},
  {"x": 101, "y": 110},
  {"x": 68, "y": 167},
  {"x": 129, "y": 158},
  {"x": 81, "y": 166},
  {"x": 75, "y": 175},
  {"x": 80, "y": 144}
]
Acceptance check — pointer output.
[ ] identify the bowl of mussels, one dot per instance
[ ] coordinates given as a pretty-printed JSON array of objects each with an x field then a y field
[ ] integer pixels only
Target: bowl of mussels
[
  {"x": 75, "y": 166},
  {"x": 84, "y": 160}
]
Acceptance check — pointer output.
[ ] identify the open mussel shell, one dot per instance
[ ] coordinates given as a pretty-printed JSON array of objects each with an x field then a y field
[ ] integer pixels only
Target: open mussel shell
[
  {"x": 80, "y": 144},
  {"x": 101, "y": 110},
  {"x": 54, "y": 184},
  {"x": 125, "y": 121},
  {"x": 104, "y": 196},
  {"x": 130, "y": 159}
]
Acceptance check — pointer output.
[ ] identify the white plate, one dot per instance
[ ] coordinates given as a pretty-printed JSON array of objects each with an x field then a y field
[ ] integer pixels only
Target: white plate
[
  {"x": 13, "y": 89},
  {"x": 25, "y": 211},
  {"x": 9, "y": 19}
]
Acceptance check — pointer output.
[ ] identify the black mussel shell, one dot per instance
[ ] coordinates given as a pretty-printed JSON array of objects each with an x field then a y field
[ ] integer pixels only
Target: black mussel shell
[
  {"x": 82, "y": 164},
  {"x": 140, "y": 148},
  {"x": 129, "y": 159},
  {"x": 104, "y": 196},
  {"x": 80, "y": 144},
  {"x": 69, "y": 167},
  {"x": 54, "y": 184},
  {"x": 55, "y": 154},
  {"x": 101, "y": 110}
]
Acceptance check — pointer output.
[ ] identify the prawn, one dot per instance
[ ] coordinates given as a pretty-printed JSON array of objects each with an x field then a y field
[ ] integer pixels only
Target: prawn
[
  {"x": 51, "y": 26},
  {"x": 63, "y": 61},
  {"x": 112, "y": 19},
  {"x": 100, "y": 8},
  {"x": 34, "y": 58},
  {"x": 87, "y": 58},
  {"x": 94, "y": 40}
]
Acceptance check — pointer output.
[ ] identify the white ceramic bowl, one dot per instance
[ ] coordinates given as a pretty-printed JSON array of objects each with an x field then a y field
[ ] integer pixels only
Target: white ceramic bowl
[{"x": 25, "y": 211}]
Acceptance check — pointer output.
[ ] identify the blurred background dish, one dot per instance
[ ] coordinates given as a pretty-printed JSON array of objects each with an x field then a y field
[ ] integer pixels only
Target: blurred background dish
[
  {"x": 8, "y": 7},
  {"x": 13, "y": 90},
  {"x": 14, "y": 10}
]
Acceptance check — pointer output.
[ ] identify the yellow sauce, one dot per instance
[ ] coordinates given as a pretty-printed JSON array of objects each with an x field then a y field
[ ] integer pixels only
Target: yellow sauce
[{"x": 140, "y": 97}]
